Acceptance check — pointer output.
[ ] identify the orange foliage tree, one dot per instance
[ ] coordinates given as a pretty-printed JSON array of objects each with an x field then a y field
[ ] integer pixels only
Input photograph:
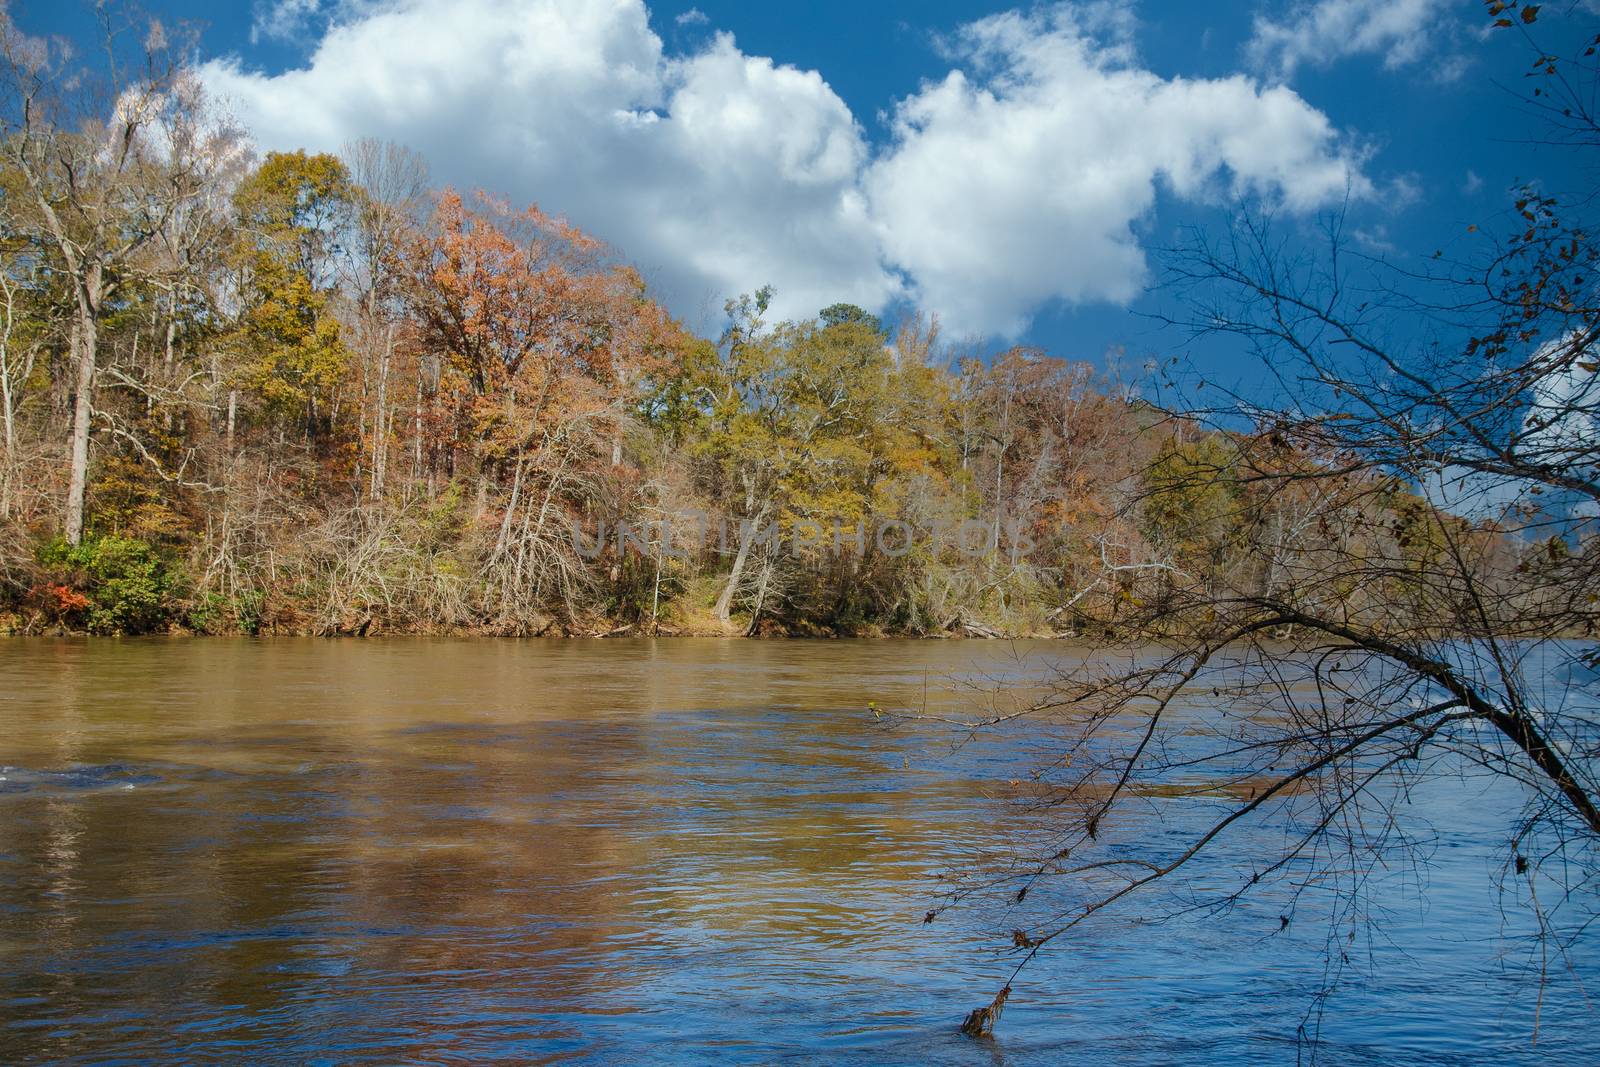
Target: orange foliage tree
[{"x": 543, "y": 346}]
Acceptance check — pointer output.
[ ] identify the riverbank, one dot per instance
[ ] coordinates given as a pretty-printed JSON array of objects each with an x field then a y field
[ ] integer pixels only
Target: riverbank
[
  {"x": 114, "y": 585},
  {"x": 13, "y": 625}
]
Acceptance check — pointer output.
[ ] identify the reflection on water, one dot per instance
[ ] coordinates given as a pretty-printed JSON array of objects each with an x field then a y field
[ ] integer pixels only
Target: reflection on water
[{"x": 305, "y": 851}]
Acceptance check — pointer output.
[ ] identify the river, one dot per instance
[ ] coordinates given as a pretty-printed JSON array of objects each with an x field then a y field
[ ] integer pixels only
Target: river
[{"x": 306, "y": 851}]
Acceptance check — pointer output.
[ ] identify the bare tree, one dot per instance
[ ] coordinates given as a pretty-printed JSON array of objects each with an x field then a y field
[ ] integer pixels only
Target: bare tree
[
  {"x": 104, "y": 173},
  {"x": 16, "y": 357},
  {"x": 1399, "y": 581},
  {"x": 393, "y": 188}
]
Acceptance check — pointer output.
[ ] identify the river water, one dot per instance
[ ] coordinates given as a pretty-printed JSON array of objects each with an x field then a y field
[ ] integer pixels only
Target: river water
[{"x": 303, "y": 851}]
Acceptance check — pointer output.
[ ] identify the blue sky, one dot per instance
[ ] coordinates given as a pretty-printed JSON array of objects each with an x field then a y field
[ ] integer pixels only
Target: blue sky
[{"x": 1005, "y": 167}]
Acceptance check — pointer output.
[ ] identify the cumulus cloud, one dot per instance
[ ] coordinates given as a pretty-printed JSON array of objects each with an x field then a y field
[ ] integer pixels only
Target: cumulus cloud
[
  {"x": 716, "y": 172},
  {"x": 1562, "y": 424},
  {"x": 282, "y": 20},
  {"x": 1021, "y": 179},
  {"x": 297, "y": 21},
  {"x": 1018, "y": 179},
  {"x": 1560, "y": 431},
  {"x": 1322, "y": 31}
]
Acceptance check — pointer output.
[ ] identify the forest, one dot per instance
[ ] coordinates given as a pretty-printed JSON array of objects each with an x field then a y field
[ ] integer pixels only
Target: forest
[{"x": 310, "y": 393}]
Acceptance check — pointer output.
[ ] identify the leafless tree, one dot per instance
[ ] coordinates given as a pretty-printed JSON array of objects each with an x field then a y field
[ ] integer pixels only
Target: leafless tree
[
  {"x": 393, "y": 187},
  {"x": 104, "y": 165},
  {"x": 1439, "y": 433}
]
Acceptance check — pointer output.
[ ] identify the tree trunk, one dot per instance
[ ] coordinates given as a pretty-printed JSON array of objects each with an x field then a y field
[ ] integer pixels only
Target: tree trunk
[
  {"x": 5, "y": 401},
  {"x": 168, "y": 417},
  {"x": 747, "y": 536},
  {"x": 655, "y": 596},
  {"x": 6, "y": 404},
  {"x": 82, "y": 414},
  {"x": 725, "y": 601},
  {"x": 5, "y": 373},
  {"x": 416, "y": 434},
  {"x": 380, "y": 432},
  {"x": 761, "y": 598}
]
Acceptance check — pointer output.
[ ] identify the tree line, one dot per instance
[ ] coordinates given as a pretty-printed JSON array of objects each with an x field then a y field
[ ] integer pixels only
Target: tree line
[{"x": 308, "y": 392}]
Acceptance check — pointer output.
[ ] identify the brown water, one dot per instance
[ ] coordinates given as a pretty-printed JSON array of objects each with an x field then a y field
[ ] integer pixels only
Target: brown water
[{"x": 466, "y": 851}]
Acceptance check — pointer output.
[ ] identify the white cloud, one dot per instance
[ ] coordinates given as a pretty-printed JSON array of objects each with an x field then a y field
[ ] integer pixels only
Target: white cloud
[
  {"x": 300, "y": 22},
  {"x": 1473, "y": 495},
  {"x": 1560, "y": 431},
  {"x": 1375, "y": 240},
  {"x": 1017, "y": 181},
  {"x": 282, "y": 20},
  {"x": 693, "y": 17},
  {"x": 1023, "y": 181},
  {"x": 1562, "y": 424},
  {"x": 1319, "y": 32},
  {"x": 716, "y": 173}
]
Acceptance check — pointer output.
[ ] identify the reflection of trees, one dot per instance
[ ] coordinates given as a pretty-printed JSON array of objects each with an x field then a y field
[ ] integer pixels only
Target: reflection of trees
[
  {"x": 409, "y": 843},
  {"x": 326, "y": 866}
]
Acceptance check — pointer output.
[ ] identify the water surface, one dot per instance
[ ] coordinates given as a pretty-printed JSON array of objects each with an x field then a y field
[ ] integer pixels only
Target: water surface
[{"x": 304, "y": 851}]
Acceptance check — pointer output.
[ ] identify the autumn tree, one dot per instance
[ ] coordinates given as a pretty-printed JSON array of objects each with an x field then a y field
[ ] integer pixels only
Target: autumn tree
[
  {"x": 293, "y": 211},
  {"x": 806, "y": 437},
  {"x": 544, "y": 348}
]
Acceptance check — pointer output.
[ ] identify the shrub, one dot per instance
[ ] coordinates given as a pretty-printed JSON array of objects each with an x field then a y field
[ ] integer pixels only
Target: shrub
[
  {"x": 214, "y": 613},
  {"x": 118, "y": 585}
]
